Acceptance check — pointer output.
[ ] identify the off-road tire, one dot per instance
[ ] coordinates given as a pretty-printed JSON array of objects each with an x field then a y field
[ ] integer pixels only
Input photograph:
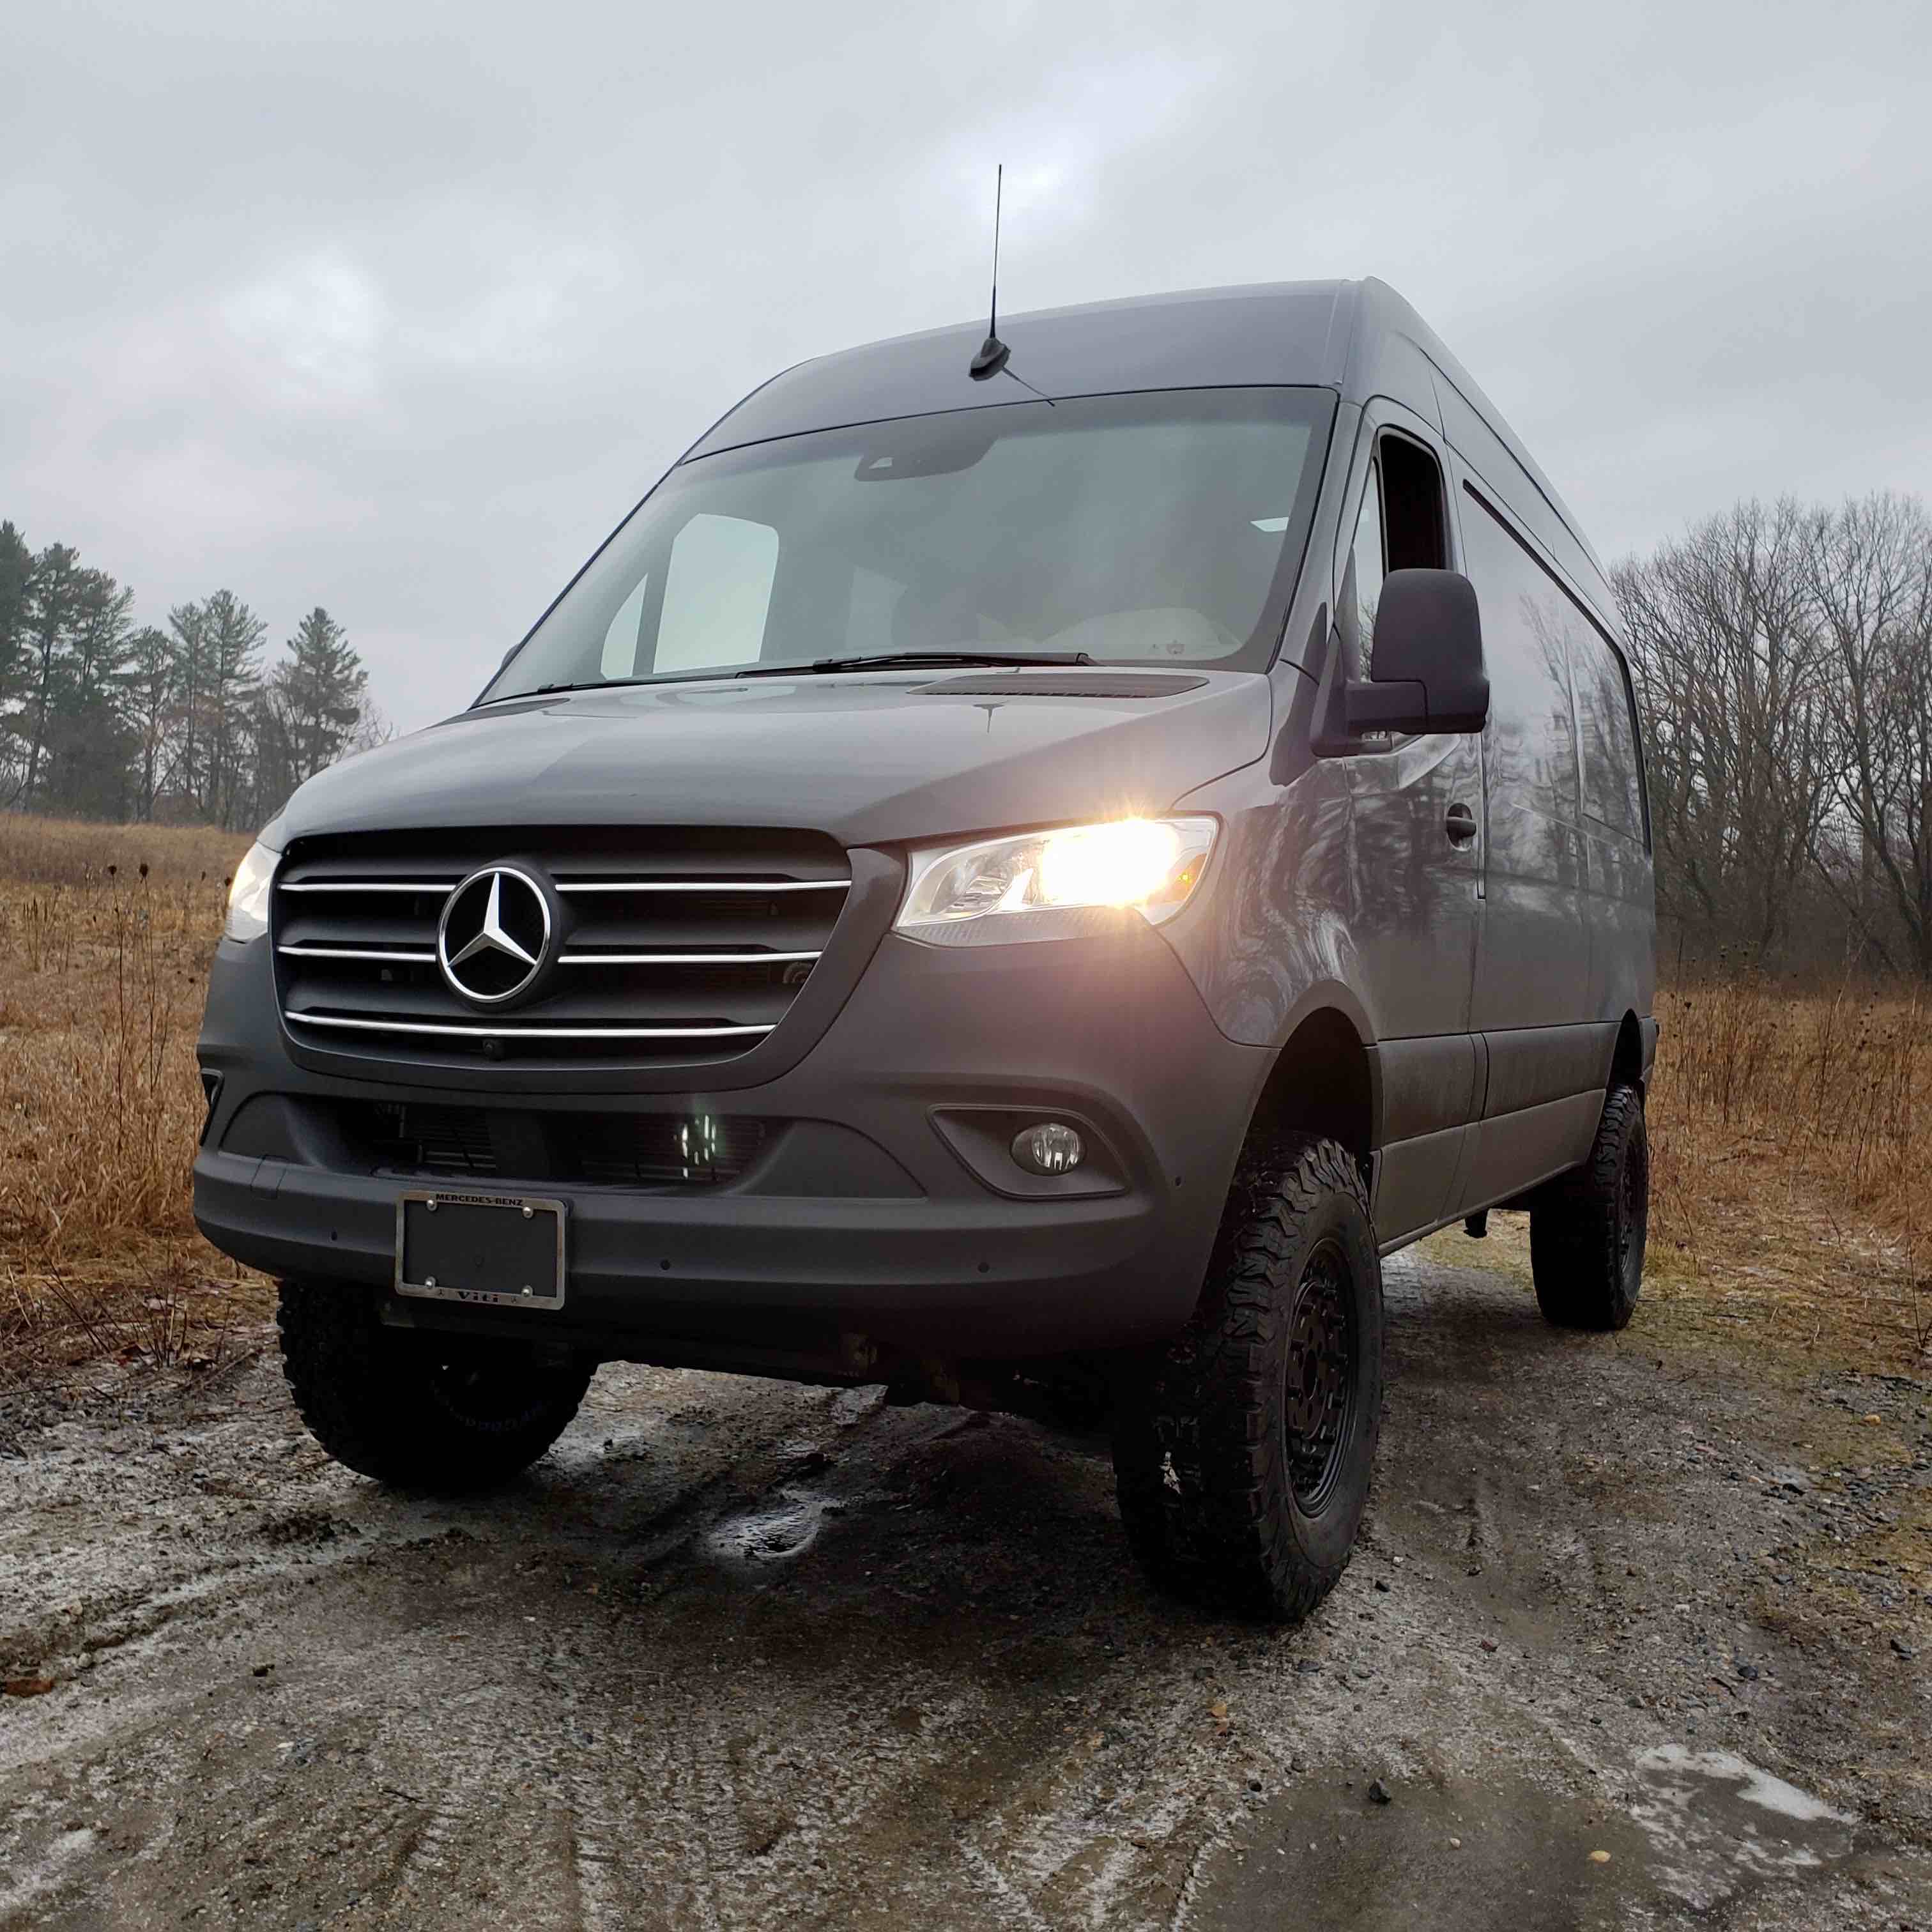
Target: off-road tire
[
  {"x": 1587, "y": 1228},
  {"x": 1225, "y": 1500},
  {"x": 413, "y": 1408}
]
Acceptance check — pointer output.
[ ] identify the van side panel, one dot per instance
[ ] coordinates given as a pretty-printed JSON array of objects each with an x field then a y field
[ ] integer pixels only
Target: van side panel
[
  {"x": 1620, "y": 909},
  {"x": 1533, "y": 959}
]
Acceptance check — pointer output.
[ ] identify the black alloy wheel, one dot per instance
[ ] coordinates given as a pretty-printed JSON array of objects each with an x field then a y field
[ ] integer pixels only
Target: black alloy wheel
[{"x": 1242, "y": 1451}]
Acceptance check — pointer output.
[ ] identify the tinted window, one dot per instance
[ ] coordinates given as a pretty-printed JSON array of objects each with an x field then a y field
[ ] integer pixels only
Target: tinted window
[
  {"x": 1526, "y": 620},
  {"x": 1607, "y": 737},
  {"x": 1154, "y": 526}
]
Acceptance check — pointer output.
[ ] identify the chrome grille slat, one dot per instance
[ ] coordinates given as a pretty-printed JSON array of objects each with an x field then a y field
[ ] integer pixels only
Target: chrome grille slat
[
  {"x": 484, "y": 1029},
  {"x": 702, "y": 886},
  {"x": 683, "y": 959},
  {"x": 691, "y": 944},
  {"x": 365, "y": 886},
  {"x": 425, "y": 958}
]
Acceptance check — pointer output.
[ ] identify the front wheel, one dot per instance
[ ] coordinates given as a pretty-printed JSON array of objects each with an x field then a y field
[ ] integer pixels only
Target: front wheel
[
  {"x": 1242, "y": 1451},
  {"x": 419, "y": 1409}
]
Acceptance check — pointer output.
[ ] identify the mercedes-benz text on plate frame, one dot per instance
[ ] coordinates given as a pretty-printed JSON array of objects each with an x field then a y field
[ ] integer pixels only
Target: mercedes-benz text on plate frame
[
  {"x": 980, "y": 855},
  {"x": 492, "y": 1250},
  {"x": 497, "y": 935}
]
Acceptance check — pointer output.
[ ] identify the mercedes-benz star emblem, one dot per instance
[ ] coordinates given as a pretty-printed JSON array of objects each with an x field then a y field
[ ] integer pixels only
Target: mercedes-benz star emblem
[{"x": 495, "y": 938}]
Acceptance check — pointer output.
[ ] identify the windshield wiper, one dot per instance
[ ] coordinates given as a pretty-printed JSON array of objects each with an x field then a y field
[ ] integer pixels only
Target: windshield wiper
[
  {"x": 551, "y": 690},
  {"x": 916, "y": 660},
  {"x": 900, "y": 660}
]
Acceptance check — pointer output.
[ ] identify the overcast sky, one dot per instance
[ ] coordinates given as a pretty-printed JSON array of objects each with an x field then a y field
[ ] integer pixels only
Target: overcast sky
[{"x": 396, "y": 307}]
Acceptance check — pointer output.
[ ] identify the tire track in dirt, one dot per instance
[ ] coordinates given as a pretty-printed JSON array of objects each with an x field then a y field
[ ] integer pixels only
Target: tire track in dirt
[{"x": 741, "y": 1654}]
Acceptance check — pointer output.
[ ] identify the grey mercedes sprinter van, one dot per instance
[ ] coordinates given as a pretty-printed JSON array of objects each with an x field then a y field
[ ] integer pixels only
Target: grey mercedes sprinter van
[{"x": 1018, "y": 872}]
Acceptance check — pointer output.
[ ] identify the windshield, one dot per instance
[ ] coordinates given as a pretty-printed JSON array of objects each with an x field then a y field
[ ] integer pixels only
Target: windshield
[{"x": 1151, "y": 528}]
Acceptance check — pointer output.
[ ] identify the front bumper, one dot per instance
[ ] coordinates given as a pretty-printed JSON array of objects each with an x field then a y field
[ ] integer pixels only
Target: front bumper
[{"x": 863, "y": 1231}]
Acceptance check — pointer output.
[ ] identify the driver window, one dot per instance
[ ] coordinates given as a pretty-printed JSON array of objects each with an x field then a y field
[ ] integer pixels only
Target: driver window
[{"x": 1401, "y": 527}]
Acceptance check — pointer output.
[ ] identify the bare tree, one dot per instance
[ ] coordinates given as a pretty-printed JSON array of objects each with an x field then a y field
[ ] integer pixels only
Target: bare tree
[
  {"x": 1871, "y": 584},
  {"x": 1732, "y": 668}
]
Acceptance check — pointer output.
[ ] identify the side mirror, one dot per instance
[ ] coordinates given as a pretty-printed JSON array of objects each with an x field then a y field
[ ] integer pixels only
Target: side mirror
[{"x": 1425, "y": 670}]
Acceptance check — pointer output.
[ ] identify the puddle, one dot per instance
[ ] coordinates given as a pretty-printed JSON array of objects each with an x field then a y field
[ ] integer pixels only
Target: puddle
[
  {"x": 1447, "y": 1854},
  {"x": 1716, "y": 1820},
  {"x": 774, "y": 1534}
]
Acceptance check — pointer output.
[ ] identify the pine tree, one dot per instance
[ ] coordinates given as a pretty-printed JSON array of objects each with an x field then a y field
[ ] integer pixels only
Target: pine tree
[
  {"x": 87, "y": 737},
  {"x": 318, "y": 695},
  {"x": 220, "y": 642},
  {"x": 147, "y": 686},
  {"x": 180, "y": 776},
  {"x": 56, "y": 591},
  {"x": 17, "y": 573}
]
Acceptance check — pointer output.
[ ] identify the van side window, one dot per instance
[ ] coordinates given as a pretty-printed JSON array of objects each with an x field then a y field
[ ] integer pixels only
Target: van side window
[
  {"x": 1607, "y": 735},
  {"x": 718, "y": 594},
  {"x": 1527, "y": 619}
]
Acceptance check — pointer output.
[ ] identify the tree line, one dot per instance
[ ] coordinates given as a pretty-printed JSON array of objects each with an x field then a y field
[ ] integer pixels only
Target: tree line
[
  {"x": 103, "y": 717},
  {"x": 1782, "y": 659}
]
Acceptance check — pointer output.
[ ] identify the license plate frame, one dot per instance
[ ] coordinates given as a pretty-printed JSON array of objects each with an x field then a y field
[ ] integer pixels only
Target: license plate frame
[{"x": 490, "y": 1251}]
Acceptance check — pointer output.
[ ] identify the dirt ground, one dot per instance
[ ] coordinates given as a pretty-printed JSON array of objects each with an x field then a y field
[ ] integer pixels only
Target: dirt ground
[{"x": 1638, "y": 1634}]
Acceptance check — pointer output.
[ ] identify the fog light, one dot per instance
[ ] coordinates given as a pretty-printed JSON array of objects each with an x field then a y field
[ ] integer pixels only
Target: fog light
[{"x": 1051, "y": 1147}]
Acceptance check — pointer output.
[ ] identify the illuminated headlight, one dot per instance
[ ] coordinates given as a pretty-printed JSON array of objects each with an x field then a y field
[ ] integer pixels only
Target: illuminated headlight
[
  {"x": 248, "y": 894},
  {"x": 1054, "y": 885}
]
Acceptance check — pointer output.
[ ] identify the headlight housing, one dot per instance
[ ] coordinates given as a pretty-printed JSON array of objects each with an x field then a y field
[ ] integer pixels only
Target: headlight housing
[
  {"x": 1054, "y": 885},
  {"x": 248, "y": 893}
]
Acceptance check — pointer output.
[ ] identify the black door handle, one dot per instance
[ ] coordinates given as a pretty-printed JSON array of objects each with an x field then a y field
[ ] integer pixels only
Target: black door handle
[{"x": 1460, "y": 824}]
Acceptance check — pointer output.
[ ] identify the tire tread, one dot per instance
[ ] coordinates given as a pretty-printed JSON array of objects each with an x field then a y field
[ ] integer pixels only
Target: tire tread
[
  {"x": 1210, "y": 1396},
  {"x": 1573, "y": 1227},
  {"x": 361, "y": 1391}
]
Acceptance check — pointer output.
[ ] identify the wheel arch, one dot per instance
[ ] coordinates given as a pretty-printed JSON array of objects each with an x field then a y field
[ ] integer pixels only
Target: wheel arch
[
  {"x": 1628, "y": 1057},
  {"x": 1324, "y": 1080}
]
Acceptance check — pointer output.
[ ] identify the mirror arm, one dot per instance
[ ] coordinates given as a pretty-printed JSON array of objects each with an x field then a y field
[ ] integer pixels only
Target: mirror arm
[
  {"x": 1396, "y": 705},
  {"x": 1357, "y": 706}
]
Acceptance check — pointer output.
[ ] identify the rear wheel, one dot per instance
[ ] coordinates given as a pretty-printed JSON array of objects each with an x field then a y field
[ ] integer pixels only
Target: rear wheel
[
  {"x": 413, "y": 1408},
  {"x": 1588, "y": 1228},
  {"x": 1242, "y": 1452}
]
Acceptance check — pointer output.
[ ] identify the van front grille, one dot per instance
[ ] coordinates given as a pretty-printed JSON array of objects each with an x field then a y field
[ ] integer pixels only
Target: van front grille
[{"x": 687, "y": 944}]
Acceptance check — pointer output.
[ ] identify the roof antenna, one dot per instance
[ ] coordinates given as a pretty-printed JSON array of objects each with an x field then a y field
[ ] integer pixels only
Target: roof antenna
[{"x": 993, "y": 352}]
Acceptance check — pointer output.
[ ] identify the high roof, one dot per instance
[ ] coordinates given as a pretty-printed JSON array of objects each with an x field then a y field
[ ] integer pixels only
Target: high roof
[
  {"x": 1360, "y": 338},
  {"x": 1282, "y": 332}
]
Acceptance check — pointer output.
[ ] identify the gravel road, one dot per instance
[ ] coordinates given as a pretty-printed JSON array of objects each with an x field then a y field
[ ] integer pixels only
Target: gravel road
[{"x": 1634, "y": 1637}]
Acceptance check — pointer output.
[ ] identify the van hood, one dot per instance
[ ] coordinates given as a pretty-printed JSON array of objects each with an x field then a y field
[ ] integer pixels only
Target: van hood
[{"x": 871, "y": 759}]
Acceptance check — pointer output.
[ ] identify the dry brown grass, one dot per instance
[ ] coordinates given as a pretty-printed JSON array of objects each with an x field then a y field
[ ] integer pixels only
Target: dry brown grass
[
  {"x": 1792, "y": 1137},
  {"x": 105, "y": 935}
]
